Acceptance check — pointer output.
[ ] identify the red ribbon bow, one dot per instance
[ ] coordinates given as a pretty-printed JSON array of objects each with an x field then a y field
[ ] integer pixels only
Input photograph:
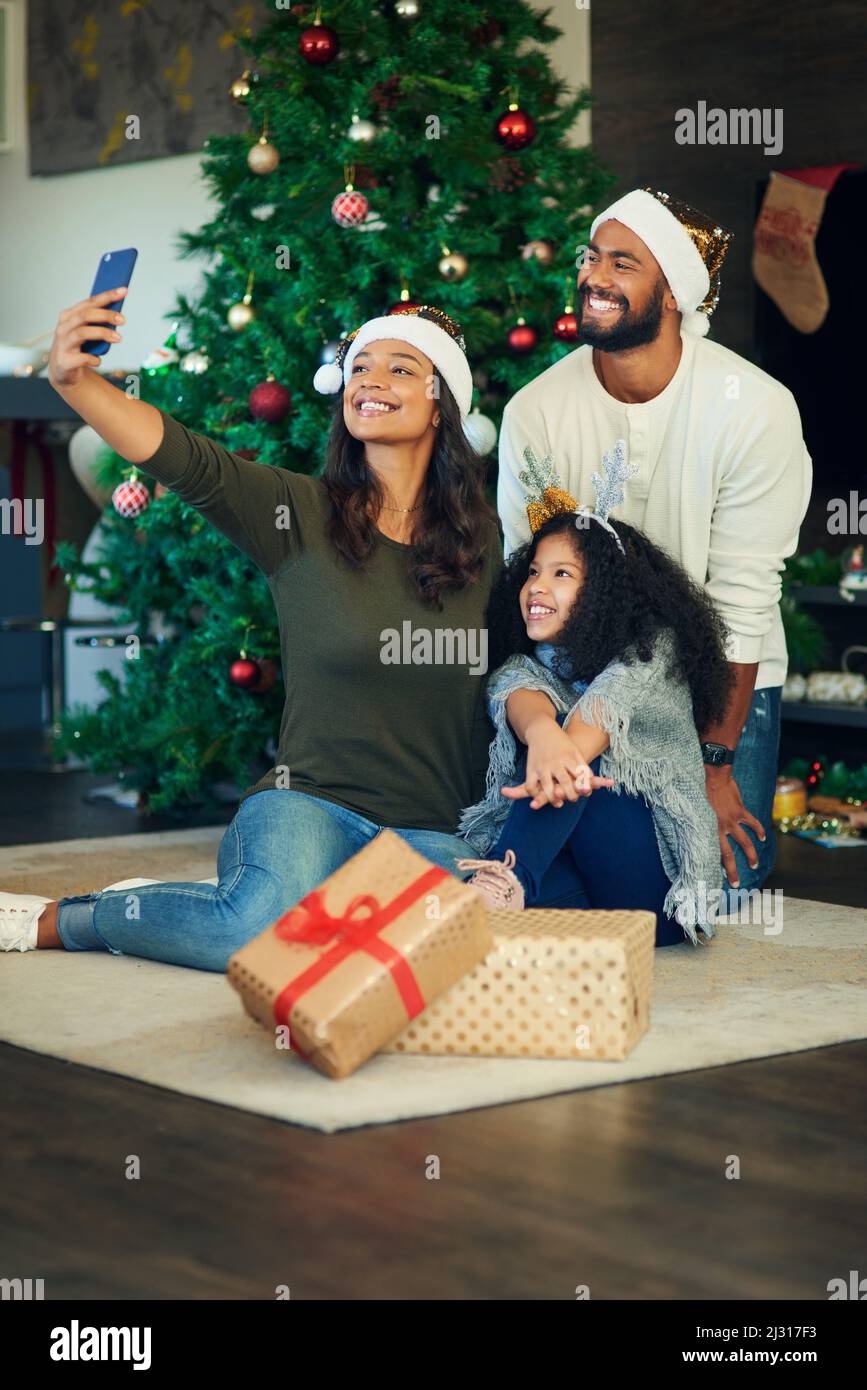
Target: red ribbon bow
[{"x": 310, "y": 922}]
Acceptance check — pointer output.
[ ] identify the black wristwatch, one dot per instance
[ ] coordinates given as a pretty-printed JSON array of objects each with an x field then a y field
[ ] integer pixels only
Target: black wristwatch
[{"x": 717, "y": 755}]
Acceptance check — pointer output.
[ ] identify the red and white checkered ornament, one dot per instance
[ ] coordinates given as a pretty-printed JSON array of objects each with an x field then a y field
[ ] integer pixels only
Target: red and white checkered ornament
[
  {"x": 350, "y": 208},
  {"x": 131, "y": 498}
]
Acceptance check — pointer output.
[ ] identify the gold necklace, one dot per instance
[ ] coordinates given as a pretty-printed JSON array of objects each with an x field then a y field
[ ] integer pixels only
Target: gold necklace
[{"x": 417, "y": 508}]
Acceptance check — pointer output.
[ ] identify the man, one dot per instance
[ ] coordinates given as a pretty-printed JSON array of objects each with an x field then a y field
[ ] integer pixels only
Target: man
[{"x": 723, "y": 475}]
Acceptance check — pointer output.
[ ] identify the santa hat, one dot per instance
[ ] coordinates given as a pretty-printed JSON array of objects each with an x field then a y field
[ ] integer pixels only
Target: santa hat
[
  {"x": 689, "y": 247},
  {"x": 422, "y": 326}
]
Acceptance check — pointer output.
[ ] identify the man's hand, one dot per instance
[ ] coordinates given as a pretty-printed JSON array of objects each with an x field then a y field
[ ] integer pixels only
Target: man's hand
[
  {"x": 556, "y": 772},
  {"x": 732, "y": 815}
]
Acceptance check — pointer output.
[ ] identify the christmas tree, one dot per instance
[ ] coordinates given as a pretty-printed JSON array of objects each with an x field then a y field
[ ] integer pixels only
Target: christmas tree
[{"x": 405, "y": 151}]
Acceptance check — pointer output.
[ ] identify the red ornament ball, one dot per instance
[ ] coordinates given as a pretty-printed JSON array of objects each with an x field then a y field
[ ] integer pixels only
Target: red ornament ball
[
  {"x": 131, "y": 498},
  {"x": 319, "y": 44},
  {"x": 566, "y": 328},
  {"x": 403, "y": 306},
  {"x": 244, "y": 673},
  {"x": 269, "y": 401},
  {"x": 522, "y": 338},
  {"x": 350, "y": 209},
  {"x": 515, "y": 129}
]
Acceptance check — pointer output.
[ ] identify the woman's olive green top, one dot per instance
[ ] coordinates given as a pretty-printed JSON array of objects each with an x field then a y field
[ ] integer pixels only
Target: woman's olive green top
[{"x": 384, "y": 711}]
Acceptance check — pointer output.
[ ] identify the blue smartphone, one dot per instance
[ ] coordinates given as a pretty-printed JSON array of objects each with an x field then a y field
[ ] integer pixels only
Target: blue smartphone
[{"x": 114, "y": 270}]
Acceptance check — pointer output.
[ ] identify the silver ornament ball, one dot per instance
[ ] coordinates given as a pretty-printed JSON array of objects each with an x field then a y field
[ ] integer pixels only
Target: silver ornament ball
[
  {"x": 363, "y": 131},
  {"x": 195, "y": 362}
]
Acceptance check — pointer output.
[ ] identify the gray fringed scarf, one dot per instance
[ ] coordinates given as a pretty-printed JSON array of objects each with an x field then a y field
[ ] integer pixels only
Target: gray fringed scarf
[{"x": 654, "y": 752}]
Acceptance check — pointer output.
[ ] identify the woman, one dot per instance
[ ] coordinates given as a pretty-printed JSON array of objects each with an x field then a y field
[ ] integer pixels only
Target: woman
[{"x": 395, "y": 537}]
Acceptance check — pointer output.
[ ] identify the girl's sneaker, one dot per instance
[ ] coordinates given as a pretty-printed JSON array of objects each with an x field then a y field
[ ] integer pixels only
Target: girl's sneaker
[
  {"x": 496, "y": 882},
  {"x": 19, "y": 920}
]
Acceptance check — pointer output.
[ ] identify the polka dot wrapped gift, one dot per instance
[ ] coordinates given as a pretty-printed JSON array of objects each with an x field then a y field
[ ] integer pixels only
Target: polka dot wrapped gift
[
  {"x": 563, "y": 984},
  {"x": 344, "y": 970}
]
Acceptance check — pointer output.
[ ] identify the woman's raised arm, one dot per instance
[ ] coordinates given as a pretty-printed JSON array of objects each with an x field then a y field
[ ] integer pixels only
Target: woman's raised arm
[
  {"x": 249, "y": 502},
  {"x": 131, "y": 427}
]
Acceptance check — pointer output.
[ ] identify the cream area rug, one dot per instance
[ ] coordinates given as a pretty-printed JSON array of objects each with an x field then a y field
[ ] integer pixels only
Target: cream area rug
[{"x": 750, "y": 993}]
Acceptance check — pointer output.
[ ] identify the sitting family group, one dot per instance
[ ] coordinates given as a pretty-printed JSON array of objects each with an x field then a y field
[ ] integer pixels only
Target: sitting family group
[{"x": 617, "y": 746}]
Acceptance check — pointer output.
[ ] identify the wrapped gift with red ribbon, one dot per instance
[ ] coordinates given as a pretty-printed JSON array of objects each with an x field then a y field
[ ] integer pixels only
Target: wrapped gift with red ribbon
[{"x": 350, "y": 965}]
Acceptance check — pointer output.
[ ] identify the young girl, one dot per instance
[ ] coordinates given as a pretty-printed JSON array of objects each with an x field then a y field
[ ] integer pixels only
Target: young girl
[{"x": 615, "y": 659}]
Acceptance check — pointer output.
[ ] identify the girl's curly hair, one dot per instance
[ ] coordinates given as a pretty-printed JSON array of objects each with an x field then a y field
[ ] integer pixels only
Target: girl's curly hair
[{"x": 623, "y": 603}]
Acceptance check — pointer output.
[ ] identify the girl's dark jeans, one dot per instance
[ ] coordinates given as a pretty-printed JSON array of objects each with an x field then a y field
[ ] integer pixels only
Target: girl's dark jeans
[{"x": 597, "y": 852}]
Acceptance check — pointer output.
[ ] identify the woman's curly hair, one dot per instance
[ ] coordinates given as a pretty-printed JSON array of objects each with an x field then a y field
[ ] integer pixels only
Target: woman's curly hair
[{"x": 623, "y": 603}]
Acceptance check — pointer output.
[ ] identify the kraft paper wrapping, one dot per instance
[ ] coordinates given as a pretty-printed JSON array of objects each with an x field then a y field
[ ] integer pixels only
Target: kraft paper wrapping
[
  {"x": 357, "y": 1006},
  {"x": 557, "y": 984}
]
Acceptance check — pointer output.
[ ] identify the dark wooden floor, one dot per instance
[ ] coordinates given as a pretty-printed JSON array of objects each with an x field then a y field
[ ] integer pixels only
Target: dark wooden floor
[{"x": 621, "y": 1188}]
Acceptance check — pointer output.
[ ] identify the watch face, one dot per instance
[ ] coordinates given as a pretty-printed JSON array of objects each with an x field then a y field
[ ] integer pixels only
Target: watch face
[{"x": 714, "y": 753}]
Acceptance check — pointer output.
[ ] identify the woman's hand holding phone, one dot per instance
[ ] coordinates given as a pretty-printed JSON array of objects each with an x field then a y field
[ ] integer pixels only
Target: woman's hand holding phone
[{"x": 82, "y": 323}]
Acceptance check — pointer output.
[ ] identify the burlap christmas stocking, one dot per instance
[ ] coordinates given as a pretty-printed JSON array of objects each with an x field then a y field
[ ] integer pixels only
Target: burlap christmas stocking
[{"x": 784, "y": 251}]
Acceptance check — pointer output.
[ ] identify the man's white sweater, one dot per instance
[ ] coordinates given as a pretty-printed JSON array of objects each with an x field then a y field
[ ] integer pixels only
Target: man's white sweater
[{"x": 723, "y": 476}]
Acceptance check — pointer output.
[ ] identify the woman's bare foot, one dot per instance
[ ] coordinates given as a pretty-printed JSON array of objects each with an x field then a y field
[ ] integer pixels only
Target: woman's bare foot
[{"x": 46, "y": 931}]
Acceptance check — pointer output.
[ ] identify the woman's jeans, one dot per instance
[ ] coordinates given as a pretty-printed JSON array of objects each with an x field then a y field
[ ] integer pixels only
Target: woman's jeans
[
  {"x": 597, "y": 852},
  {"x": 280, "y": 845}
]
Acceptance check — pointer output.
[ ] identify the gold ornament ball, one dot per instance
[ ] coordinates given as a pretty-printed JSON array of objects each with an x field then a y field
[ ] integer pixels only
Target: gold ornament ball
[
  {"x": 263, "y": 158},
  {"x": 240, "y": 315},
  {"x": 454, "y": 266},
  {"x": 240, "y": 88},
  {"x": 540, "y": 250}
]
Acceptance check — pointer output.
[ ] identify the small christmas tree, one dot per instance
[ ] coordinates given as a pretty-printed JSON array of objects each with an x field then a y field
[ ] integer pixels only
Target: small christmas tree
[{"x": 405, "y": 151}]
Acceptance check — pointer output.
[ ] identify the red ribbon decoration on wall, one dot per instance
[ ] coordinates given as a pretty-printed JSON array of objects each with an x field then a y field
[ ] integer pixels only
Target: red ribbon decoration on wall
[{"x": 310, "y": 922}]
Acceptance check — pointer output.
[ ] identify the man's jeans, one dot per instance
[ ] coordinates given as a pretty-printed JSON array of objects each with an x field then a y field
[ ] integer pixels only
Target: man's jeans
[
  {"x": 755, "y": 771},
  {"x": 279, "y": 846}
]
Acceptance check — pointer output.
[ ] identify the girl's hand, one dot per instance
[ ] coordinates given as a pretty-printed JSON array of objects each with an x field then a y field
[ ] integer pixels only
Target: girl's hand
[
  {"x": 556, "y": 772},
  {"x": 82, "y": 323}
]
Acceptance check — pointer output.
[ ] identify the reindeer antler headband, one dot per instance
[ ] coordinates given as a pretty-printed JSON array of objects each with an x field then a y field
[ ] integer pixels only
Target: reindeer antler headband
[{"x": 548, "y": 498}]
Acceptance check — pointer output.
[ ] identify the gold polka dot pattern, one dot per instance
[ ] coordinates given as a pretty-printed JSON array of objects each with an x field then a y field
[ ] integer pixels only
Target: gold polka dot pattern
[
  {"x": 564, "y": 984},
  {"x": 356, "y": 1007}
]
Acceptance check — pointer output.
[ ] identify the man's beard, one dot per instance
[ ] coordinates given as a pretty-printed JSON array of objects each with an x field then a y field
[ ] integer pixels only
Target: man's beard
[{"x": 631, "y": 331}]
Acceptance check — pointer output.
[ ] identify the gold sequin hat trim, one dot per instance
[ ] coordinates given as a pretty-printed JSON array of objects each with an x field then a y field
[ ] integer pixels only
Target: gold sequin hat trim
[
  {"x": 711, "y": 241},
  {"x": 423, "y": 311}
]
